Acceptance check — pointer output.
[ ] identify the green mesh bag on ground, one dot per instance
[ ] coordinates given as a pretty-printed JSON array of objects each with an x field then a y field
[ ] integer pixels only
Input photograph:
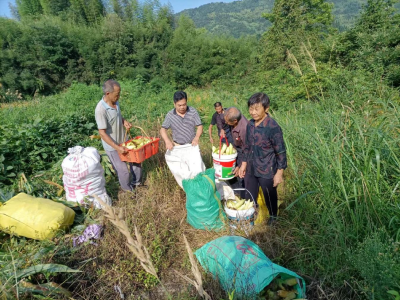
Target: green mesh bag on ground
[{"x": 241, "y": 266}]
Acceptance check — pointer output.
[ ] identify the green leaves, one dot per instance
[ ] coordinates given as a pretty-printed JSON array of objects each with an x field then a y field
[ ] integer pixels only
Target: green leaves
[
  {"x": 21, "y": 270},
  {"x": 44, "y": 268},
  {"x": 36, "y": 146},
  {"x": 45, "y": 289},
  {"x": 394, "y": 293}
]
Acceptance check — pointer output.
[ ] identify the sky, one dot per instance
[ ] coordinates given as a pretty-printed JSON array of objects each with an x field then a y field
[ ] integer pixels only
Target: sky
[{"x": 177, "y": 5}]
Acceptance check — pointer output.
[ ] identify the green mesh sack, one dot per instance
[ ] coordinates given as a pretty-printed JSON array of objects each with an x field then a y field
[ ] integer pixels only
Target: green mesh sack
[
  {"x": 242, "y": 267},
  {"x": 203, "y": 204}
]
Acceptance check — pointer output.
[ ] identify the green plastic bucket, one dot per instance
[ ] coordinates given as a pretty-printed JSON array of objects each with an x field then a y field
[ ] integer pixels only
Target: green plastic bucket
[{"x": 224, "y": 166}]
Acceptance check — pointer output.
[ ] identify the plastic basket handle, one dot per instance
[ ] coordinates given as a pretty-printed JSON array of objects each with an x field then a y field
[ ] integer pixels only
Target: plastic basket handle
[
  {"x": 144, "y": 132},
  {"x": 128, "y": 132},
  {"x": 244, "y": 189},
  {"x": 220, "y": 144}
]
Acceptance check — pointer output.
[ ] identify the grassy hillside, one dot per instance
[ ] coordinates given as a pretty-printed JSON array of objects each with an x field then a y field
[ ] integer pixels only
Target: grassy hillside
[
  {"x": 340, "y": 188},
  {"x": 244, "y": 17}
]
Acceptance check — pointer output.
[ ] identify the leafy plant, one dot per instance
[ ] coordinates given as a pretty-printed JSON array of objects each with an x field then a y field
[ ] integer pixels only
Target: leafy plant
[
  {"x": 18, "y": 272},
  {"x": 395, "y": 294},
  {"x": 378, "y": 263}
]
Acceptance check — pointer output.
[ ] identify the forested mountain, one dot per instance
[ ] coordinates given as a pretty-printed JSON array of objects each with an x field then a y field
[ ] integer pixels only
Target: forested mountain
[
  {"x": 236, "y": 18},
  {"x": 245, "y": 17}
]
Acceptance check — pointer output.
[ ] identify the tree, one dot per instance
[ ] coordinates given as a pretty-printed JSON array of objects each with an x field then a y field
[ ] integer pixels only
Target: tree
[
  {"x": 377, "y": 14},
  {"x": 117, "y": 8},
  {"x": 88, "y": 11},
  {"x": 34, "y": 56},
  {"x": 29, "y": 8},
  {"x": 131, "y": 8},
  {"x": 374, "y": 43},
  {"x": 294, "y": 22},
  {"x": 54, "y": 7}
]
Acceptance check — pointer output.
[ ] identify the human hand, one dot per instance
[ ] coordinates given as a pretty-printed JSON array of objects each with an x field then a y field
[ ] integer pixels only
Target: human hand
[
  {"x": 169, "y": 145},
  {"x": 278, "y": 178},
  {"x": 236, "y": 172},
  {"x": 211, "y": 140},
  {"x": 195, "y": 141},
  {"x": 222, "y": 133},
  {"x": 242, "y": 170},
  {"x": 127, "y": 124},
  {"x": 122, "y": 149}
]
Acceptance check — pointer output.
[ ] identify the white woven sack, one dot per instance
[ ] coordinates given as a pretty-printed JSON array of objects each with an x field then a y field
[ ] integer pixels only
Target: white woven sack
[
  {"x": 84, "y": 176},
  {"x": 185, "y": 162}
]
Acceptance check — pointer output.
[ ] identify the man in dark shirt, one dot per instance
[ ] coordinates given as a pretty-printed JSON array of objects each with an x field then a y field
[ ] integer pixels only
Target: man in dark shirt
[
  {"x": 219, "y": 120},
  {"x": 238, "y": 124}
]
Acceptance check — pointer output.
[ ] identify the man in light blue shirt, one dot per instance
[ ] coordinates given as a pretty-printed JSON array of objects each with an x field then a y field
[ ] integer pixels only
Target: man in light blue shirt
[{"x": 111, "y": 129}]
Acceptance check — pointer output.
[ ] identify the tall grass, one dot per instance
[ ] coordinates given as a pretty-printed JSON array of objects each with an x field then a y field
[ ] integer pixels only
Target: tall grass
[{"x": 345, "y": 178}]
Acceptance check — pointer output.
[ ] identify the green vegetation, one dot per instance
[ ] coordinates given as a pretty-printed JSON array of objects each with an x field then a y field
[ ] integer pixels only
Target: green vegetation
[
  {"x": 335, "y": 94},
  {"x": 44, "y": 53},
  {"x": 242, "y": 18},
  {"x": 238, "y": 18}
]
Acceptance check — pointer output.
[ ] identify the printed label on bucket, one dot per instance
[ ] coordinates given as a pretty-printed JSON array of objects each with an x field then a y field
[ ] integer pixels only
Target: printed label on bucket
[{"x": 224, "y": 170}]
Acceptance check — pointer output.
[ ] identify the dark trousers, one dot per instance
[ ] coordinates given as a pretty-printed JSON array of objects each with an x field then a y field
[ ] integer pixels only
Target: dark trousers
[{"x": 253, "y": 183}]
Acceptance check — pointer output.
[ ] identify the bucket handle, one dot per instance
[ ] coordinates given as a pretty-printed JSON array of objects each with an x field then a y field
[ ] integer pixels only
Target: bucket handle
[
  {"x": 220, "y": 144},
  {"x": 244, "y": 189}
]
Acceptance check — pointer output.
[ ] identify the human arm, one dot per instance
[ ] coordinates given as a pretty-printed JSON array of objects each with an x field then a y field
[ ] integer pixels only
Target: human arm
[
  {"x": 199, "y": 131},
  {"x": 105, "y": 137},
  {"x": 246, "y": 152},
  {"x": 242, "y": 170},
  {"x": 236, "y": 172},
  {"x": 210, "y": 133},
  {"x": 163, "y": 132},
  {"x": 240, "y": 140},
  {"x": 126, "y": 124},
  {"x": 102, "y": 123},
  {"x": 278, "y": 145},
  {"x": 278, "y": 178},
  {"x": 219, "y": 119},
  {"x": 168, "y": 144}
]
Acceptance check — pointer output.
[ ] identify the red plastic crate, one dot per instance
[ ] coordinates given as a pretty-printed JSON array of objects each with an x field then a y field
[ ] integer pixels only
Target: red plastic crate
[
  {"x": 154, "y": 145},
  {"x": 141, "y": 154}
]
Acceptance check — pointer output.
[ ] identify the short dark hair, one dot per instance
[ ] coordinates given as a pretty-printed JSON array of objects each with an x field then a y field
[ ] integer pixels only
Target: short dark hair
[
  {"x": 108, "y": 86},
  {"x": 259, "y": 98},
  {"x": 232, "y": 114},
  {"x": 217, "y": 104},
  {"x": 179, "y": 95}
]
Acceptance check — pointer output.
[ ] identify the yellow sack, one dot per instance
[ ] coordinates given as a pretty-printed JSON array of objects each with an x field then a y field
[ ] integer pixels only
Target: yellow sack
[
  {"x": 35, "y": 218},
  {"x": 263, "y": 213}
]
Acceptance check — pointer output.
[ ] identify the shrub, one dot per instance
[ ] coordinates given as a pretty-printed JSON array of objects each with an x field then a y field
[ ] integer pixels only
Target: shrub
[{"x": 377, "y": 261}]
